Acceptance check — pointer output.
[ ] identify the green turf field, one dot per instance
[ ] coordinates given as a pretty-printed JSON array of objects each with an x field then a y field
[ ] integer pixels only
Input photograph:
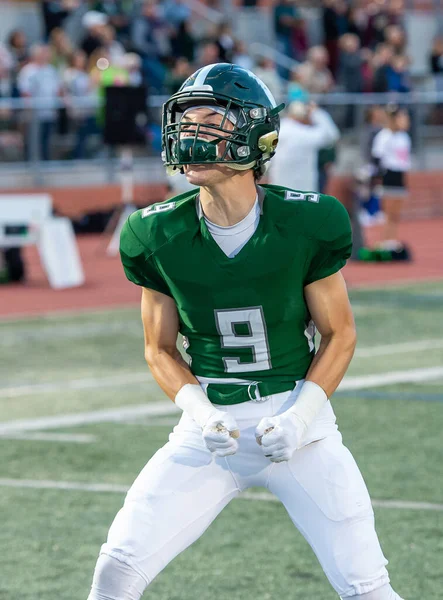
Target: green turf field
[{"x": 57, "y": 367}]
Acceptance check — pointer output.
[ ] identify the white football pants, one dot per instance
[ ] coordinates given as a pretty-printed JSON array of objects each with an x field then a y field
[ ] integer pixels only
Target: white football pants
[{"x": 183, "y": 488}]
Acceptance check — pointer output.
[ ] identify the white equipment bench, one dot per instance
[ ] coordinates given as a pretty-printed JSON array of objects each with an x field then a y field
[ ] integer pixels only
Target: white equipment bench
[{"x": 26, "y": 219}]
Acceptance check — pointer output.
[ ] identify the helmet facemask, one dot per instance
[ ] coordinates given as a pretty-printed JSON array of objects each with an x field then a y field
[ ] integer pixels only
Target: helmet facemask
[{"x": 245, "y": 147}]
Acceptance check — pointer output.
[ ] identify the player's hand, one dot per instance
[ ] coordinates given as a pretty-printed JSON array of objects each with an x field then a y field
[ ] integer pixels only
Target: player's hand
[
  {"x": 220, "y": 434},
  {"x": 279, "y": 437}
]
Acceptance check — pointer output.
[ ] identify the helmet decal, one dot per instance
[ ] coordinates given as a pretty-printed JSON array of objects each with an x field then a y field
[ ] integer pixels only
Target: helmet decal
[{"x": 265, "y": 88}]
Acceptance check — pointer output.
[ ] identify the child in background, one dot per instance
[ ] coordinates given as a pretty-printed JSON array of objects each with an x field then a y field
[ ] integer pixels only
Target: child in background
[{"x": 391, "y": 154}]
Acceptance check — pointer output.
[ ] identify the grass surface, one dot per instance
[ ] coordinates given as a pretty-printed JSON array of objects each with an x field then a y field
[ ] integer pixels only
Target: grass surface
[{"x": 51, "y": 537}]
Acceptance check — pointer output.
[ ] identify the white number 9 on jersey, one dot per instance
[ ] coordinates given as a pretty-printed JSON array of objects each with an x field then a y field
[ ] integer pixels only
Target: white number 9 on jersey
[{"x": 229, "y": 323}]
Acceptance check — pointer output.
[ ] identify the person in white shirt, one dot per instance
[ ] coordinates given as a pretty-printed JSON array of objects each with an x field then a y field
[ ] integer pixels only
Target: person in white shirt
[
  {"x": 303, "y": 132},
  {"x": 391, "y": 154},
  {"x": 40, "y": 80}
]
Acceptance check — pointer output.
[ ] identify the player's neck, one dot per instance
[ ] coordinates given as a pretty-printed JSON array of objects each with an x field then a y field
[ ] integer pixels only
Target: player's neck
[{"x": 229, "y": 202}]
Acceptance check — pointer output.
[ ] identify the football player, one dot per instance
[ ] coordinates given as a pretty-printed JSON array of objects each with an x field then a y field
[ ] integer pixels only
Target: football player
[{"x": 246, "y": 273}]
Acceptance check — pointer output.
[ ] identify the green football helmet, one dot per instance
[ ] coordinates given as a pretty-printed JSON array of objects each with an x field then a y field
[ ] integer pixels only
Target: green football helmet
[{"x": 240, "y": 97}]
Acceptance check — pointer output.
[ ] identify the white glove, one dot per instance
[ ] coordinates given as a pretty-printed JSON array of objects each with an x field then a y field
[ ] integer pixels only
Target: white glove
[
  {"x": 220, "y": 434},
  {"x": 219, "y": 429},
  {"x": 279, "y": 437}
]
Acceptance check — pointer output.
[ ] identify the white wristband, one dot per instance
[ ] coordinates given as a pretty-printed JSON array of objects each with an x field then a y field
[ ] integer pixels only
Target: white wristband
[
  {"x": 309, "y": 402},
  {"x": 192, "y": 400}
]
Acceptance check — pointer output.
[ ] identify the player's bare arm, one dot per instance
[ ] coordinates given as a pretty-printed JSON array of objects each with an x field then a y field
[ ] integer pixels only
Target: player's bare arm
[
  {"x": 161, "y": 326},
  {"x": 330, "y": 309},
  {"x": 328, "y": 304}
]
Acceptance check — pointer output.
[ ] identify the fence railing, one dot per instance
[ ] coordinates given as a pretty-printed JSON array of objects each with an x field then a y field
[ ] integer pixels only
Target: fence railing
[{"x": 25, "y": 135}]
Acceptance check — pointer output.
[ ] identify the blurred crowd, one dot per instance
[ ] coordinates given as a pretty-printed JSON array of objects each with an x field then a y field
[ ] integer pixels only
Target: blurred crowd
[{"x": 152, "y": 42}]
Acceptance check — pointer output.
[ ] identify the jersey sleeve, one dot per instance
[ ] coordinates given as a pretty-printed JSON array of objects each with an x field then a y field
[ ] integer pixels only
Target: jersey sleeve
[
  {"x": 138, "y": 262},
  {"x": 332, "y": 243}
]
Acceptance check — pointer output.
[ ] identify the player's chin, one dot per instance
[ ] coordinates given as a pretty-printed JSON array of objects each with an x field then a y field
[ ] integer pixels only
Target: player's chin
[{"x": 199, "y": 174}]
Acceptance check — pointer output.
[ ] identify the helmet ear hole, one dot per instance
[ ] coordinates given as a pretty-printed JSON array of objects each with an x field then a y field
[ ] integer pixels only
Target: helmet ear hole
[{"x": 268, "y": 143}]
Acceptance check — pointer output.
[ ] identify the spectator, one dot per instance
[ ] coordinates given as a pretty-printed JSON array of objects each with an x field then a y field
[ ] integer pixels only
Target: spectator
[
  {"x": 297, "y": 91},
  {"x": 78, "y": 85},
  {"x": 303, "y": 132},
  {"x": 55, "y": 12},
  {"x": 94, "y": 23},
  {"x": 242, "y": 57},
  {"x": 391, "y": 152},
  {"x": 367, "y": 69},
  {"x": 61, "y": 49},
  {"x": 225, "y": 42},
  {"x": 356, "y": 22},
  {"x": 350, "y": 76},
  {"x": 150, "y": 38},
  {"x": 18, "y": 47},
  {"x": 209, "y": 53},
  {"x": 395, "y": 36},
  {"x": 395, "y": 11},
  {"x": 119, "y": 14},
  {"x": 132, "y": 63},
  {"x": 341, "y": 11},
  {"x": 115, "y": 49},
  {"x": 381, "y": 66},
  {"x": 436, "y": 63},
  {"x": 317, "y": 78},
  {"x": 299, "y": 40},
  {"x": 375, "y": 119},
  {"x": 378, "y": 20},
  {"x": 331, "y": 33},
  {"x": 267, "y": 72},
  {"x": 326, "y": 159},
  {"x": 437, "y": 56},
  {"x": 39, "y": 80},
  {"x": 6, "y": 67},
  {"x": 285, "y": 18},
  {"x": 398, "y": 75},
  {"x": 183, "y": 43},
  {"x": 176, "y": 12},
  {"x": 104, "y": 74},
  {"x": 181, "y": 70}
]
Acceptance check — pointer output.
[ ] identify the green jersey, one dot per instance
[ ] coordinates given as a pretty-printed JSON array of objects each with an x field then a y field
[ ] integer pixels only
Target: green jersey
[{"x": 243, "y": 317}]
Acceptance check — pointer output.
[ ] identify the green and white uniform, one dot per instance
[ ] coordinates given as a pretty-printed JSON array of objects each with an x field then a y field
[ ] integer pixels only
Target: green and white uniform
[
  {"x": 245, "y": 320},
  {"x": 243, "y": 317}
]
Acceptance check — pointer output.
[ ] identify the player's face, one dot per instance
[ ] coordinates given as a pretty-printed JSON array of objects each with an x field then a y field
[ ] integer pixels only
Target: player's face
[
  {"x": 403, "y": 121},
  {"x": 210, "y": 174}
]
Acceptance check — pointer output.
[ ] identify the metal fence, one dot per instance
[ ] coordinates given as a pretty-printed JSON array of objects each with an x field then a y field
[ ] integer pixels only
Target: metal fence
[{"x": 26, "y": 133}]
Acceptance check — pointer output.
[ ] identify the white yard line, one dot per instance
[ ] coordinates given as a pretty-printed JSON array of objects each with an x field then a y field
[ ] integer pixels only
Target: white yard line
[
  {"x": 165, "y": 408},
  {"x": 51, "y": 331},
  {"x": 136, "y": 378},
  {"x": 66, "y": 313},
  {"x": 254, "y": 496},
  {"x": 88, "y": 383},
  {"x": 162, "y": 408},
  {"x": 74, "y": 438},
  {"x": 391, "y": 378},
  {"x": 152, "y": 422},
  {"x": 402, "y": 348}
]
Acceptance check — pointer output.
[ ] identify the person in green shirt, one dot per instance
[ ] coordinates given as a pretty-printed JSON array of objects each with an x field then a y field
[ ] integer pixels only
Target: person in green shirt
[{"x": 246, "y": 273}]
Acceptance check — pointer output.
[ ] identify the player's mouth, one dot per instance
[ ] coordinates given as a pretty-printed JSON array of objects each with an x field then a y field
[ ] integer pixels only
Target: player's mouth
[{"x": 195, "y": 167}]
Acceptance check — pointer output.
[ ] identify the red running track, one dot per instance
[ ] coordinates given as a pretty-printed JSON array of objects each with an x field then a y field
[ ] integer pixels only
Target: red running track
[{"x": 106, "y": 285}]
